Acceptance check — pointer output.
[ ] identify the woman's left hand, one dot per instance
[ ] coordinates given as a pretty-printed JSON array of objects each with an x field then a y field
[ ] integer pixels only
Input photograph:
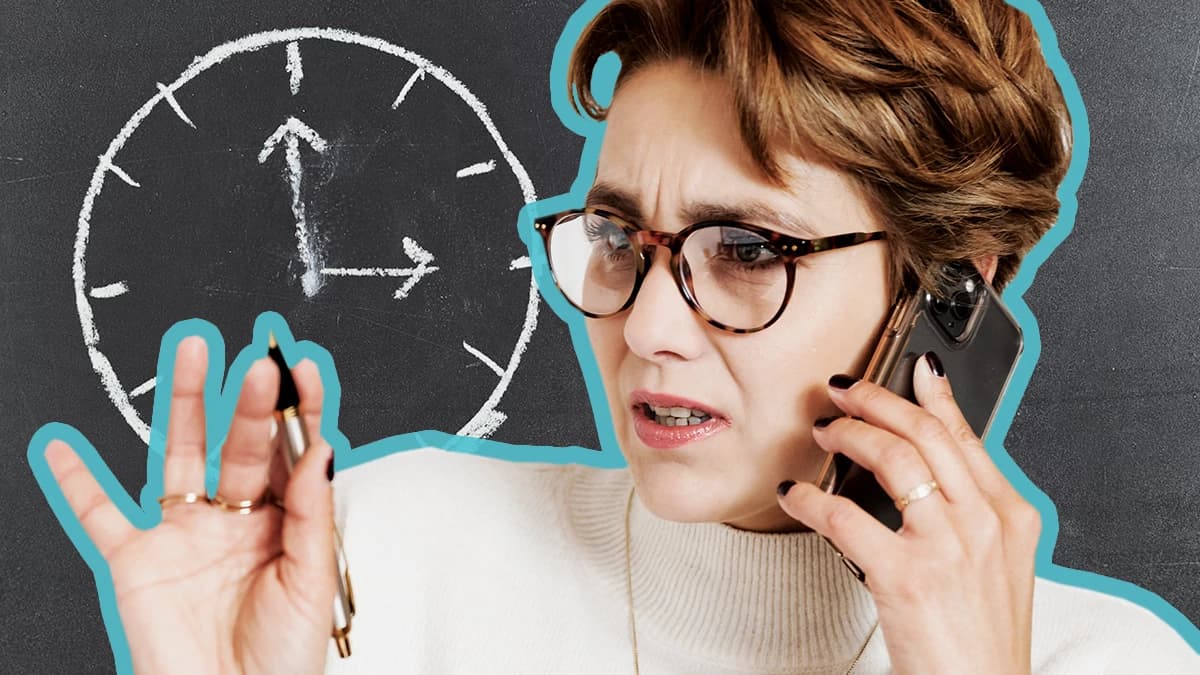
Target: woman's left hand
[{"x": 954, "y": 586}]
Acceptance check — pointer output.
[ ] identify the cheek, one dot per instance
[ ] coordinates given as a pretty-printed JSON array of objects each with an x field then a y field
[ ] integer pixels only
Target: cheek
[
  {"x": 831, "y": 330},
  {"x": 607, "y": 339}
]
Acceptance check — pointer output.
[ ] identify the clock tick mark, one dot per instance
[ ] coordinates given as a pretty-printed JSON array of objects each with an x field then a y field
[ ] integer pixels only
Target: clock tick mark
[
  {"x": 484, "y": 357},
  {"x": 107, "y": 164},
  {"x": 419, "y": 73},
  {"x": 109, "y": 291},
  {"x": 143, "y": 387},
  {"x": 169, "y": 97},
  {"x": 476, "y": 169},
  {"x": 295, "y": 67}
]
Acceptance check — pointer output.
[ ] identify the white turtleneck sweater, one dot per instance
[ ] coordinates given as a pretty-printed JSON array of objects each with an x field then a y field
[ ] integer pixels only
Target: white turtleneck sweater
[{"x": 470, "y": 564}]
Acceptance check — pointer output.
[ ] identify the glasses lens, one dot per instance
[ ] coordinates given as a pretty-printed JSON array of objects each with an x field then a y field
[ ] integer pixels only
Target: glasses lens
[
  {"x": 735, "y": 275},
  {"x": 593, "y": 262}
]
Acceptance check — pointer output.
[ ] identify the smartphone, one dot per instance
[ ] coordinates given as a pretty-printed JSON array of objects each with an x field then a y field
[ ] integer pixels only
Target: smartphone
[{"x": 978, "y": 341}]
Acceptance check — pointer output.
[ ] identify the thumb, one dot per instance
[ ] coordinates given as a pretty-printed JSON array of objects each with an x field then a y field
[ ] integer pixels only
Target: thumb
[{"x": 308, "y": 566}]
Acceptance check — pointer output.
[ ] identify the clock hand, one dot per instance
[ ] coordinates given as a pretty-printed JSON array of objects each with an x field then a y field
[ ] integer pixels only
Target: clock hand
[
  {"x": 290, "y": 133},
  {"x": 417, "y": 254}
]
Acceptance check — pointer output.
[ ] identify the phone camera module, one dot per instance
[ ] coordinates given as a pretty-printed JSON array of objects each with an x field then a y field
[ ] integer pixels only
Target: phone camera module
[{"x": 953, "y": 308}]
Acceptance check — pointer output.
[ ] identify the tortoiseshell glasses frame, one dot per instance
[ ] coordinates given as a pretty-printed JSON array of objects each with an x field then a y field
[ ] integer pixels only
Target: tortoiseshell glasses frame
[{"x": 787, "y": 248}]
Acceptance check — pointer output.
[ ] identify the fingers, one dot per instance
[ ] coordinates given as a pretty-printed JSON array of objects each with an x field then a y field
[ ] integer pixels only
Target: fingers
[
  {"x": 1018, "y": 515},
  {"x": 183, "y": 463},
  {"x": 307, "y": 535},
  {"x": 312, "y": 395},
  {"x": 246, "y": 455},
  {"x": 897, "y": 465},
  {"x": 104, "y": 524},
  {"x": 935, "y": 395},
  {"x": 852, "y": 530},
  {"x": 925, "y": 432}
]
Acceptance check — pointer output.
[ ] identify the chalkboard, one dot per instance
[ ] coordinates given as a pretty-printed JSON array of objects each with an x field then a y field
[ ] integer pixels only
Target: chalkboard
[{"x": 358, "y": 168}]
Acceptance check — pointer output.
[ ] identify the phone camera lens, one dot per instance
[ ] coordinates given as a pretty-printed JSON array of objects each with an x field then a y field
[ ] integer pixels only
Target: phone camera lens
[
  {"x": 961, "y": 305},
  {"x": 940, "y": 306}
]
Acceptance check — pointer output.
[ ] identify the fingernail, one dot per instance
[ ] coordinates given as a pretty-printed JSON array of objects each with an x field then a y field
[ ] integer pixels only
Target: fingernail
[
  {"x": 842, "y": 381},
  {"x": 274, "y": 428},
  {"x": 784, "y": 487},
  {"x": 329, "y": 468},
  {"x": 935, "y": 364},
  {"x": 823, "y": 422}
]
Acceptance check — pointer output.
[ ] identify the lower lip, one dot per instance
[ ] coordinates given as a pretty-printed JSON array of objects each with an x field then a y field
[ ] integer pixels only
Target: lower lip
[{"x": 662, "y": 437}]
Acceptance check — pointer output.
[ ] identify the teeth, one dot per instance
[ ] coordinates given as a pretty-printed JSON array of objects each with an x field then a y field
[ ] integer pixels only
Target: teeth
[
  {"x": 683, "y": 413},
  {"x": 677, "y": 416}
]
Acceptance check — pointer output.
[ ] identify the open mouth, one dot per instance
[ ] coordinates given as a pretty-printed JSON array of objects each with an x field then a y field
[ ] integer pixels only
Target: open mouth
[{"x": 674, "y": 416}]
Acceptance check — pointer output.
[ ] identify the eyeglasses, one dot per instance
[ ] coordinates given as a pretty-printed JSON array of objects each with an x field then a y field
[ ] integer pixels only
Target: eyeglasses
[{"x": 737, "y": 276}]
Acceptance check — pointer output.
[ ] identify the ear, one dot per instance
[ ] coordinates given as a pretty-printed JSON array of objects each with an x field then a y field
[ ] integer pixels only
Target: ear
[{"x": 987, "y": 266}]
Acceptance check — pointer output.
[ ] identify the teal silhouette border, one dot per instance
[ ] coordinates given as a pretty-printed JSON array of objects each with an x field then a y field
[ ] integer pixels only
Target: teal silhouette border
[{"x": 221, "y": 393}]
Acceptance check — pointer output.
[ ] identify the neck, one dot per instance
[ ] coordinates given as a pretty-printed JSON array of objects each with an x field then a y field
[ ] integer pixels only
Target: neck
[{"x": 774, "y": 601}]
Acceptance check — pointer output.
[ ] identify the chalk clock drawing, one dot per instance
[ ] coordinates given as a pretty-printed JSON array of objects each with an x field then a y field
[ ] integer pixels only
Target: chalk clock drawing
[{"x": 346, "y": 182}]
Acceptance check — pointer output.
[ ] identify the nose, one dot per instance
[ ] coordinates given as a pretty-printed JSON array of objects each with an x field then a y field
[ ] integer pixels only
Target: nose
[{"x": 660, "y": 326}]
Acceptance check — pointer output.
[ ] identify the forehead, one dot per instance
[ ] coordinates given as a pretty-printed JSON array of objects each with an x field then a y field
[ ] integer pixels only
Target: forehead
[{"x": 672, "y": 150}]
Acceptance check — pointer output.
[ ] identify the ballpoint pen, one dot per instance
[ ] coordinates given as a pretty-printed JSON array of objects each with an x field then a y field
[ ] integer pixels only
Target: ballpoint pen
[{"x": 295, "y": 442}]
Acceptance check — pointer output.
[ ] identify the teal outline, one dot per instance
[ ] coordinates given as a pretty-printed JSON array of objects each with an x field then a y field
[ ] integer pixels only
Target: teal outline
[{"x": 221, "y": 395}]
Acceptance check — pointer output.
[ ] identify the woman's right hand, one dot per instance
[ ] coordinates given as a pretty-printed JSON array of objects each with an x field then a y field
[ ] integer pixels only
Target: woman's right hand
[{"x": 213, "y": 591}]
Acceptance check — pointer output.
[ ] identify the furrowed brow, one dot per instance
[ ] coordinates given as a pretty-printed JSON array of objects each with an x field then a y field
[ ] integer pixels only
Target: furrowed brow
[
  {"x": 607, "y": 194},
  {"x": 750, "y": 212}
]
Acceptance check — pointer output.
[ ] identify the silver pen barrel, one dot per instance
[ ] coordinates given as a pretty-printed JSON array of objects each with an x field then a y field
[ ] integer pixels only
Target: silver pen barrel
[{"x": 296, "y": 441}]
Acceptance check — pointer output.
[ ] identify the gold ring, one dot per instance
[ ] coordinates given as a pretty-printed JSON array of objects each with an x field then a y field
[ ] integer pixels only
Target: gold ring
[
  {"x": 183, "y": 498},
  {"x": 244, "y": 506},
  {"x": 919, "y": 492}
]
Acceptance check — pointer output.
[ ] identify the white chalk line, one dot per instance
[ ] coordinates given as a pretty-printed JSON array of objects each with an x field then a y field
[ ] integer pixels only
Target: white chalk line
[
  {"x": 483, "y": 423},
  {"x": 373, "y": 271},
  {"x": 170, "y": 99},
  {"x": 143, "y": 387},
  {"x": 295, "y": 67},
  {"x": 485, "y": 426},
  {"x": 110, "y": 291},
  {"x": 290, "y": 133},
  {"x": 483, "y": 357},
  {"x": 422, "y": 258},
  {"x": 522, "y": 263},
  {"x": 488, "y": 419},
  {"x": 414, "y": 274},
  {"x": 476, "y": 169},
  {"x": 120, "y": 172},
  {"x": 419, "y": 73},
  {"x": 292, "y": 129}
]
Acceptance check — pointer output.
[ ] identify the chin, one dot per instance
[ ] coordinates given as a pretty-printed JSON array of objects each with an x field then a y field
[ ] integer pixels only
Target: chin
[{"x": 674, "y": 491}]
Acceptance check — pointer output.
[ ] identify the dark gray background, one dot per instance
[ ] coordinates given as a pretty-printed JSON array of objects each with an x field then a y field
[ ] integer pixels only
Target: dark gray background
[{"x": 1105, "y": 428}]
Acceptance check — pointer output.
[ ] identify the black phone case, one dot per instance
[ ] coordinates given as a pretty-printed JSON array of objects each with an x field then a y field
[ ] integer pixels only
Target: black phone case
[{"x": 979, "y": 364}]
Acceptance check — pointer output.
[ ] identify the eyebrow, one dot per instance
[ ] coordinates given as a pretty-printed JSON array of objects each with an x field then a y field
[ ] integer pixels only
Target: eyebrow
[{"x": 750, "y": 211}]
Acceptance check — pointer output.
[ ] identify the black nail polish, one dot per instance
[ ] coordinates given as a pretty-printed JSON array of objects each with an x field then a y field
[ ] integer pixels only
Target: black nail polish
[
  {"x": 784, "y": 487},
  {"x": 329, "y": 468},
  {"x": 842, "y": 381},
  {"x": 935, "y": 364},
  {"x": 823, "y": 422}
]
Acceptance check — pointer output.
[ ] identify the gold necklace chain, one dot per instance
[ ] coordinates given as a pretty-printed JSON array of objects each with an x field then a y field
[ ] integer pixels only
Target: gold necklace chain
[{"x": 629, "y": 595}]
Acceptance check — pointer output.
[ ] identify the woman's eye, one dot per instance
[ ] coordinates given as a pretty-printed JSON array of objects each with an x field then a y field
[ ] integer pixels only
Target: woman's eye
[{"x": 749, "y": 253}]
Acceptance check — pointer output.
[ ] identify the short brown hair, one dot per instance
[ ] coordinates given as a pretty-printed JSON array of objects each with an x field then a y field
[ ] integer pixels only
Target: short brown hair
[{"x": 943, "y": 111}]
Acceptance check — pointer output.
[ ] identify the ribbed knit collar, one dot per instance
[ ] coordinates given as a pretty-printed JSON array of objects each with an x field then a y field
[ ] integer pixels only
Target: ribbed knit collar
[{"x": 717, "y": 594}]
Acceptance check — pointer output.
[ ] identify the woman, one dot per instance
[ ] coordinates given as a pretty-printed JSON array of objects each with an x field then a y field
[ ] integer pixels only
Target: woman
[{"x": 937, "y": 124}]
